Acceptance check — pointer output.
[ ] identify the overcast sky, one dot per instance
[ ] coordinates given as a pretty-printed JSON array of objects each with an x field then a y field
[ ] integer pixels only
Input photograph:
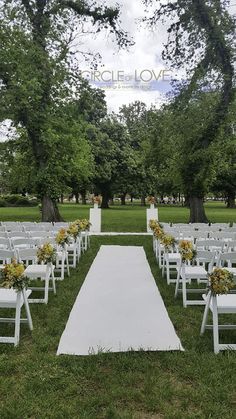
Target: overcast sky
[
  {"x": 135, "y": 64},
  {"x": 140, "y": 60}
]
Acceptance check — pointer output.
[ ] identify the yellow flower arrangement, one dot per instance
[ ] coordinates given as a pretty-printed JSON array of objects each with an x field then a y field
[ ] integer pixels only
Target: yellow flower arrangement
[
  {"x": 83, "y": 224},
  {"x": 221, "y": 281},
  {"x": 62, "y": 237},
  {"x": 153, "y": 224},
  {"x": 168, "y": 242},
  {"x": 186, "y": 250},
  {"x": 46, "y": 254},
  {"x": 158, "y": 232},
  {"x": 73, "y": 230},
  {"x": 13, "y": 276}
]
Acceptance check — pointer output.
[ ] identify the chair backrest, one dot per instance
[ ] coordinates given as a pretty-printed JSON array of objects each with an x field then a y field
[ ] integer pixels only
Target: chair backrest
[
  {"x": 18, "y": 234},
  {"x": 220, "y": 226},
  {"x": 206, "y": 257},
  {"x": 223, "y": 235},
  {"x": 231, "y": 246},
  {"x": 6, "y": 256},
  {"x": 34, "y": 227},
  {"x": 5, "y": 243},
  {"x": 226, "y": 259},
  {"x": 210, "y": 244},
  {"x": 13, "y": 226},
  {"x": 2, "y": 228},
  {"x": 3, "y": 234},
  {"x": 200, "y": 226},
  {"x": 200, "y": 235},
  {"x": 38, "y": 234},
  {"x": 27, "y": 256},
  {"x": 21, "y": 242}
]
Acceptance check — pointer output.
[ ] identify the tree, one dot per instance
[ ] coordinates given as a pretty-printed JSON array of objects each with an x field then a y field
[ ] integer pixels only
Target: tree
[
  {"x": 38, "y": 75},
  {"x": 201, "y": 35}
]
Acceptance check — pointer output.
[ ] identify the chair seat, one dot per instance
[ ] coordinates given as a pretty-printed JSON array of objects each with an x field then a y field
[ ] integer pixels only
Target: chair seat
[
  {"x": 195, "y": 272},
  {"x": 174, "y": 257},
  {"x": 225, "y": 303},
  {"x": 8, "y": 298},
  {"x": 36, "y": 271}
]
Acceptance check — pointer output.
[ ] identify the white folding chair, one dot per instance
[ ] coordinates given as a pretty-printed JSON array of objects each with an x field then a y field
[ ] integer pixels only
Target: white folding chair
[
  {"x": 36, "y": 271},
  {"x": 5, "y": 243},
  {"x": 171, "y": 262},
  {"x": 5, "y": 257},
  {"x": 220, "y": 304},
  {"x": 12, "y": 299},
  {"x": 227, "y": 260},
  {"x": 199, "y": 272}
]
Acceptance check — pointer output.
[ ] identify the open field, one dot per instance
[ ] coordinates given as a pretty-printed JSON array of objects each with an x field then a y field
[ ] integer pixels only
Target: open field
[
  {"x": 36, "y": 384},
  {"x": 127, "y": 218}
]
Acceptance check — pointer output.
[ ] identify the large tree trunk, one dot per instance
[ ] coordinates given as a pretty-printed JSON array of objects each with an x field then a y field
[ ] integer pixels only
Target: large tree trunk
[
  {"x": 143, "y": 201},
  {"x": 197, "y": 210},
  {"x": 187, "y": 200},
  {"x": 83, "y": 196},
  {"x": 105, "y": 199},
  {"x": 76, "y": 197},
  {"x": 62, "y": 199},
  {"x": 50, "y": 212},
  {"x": 123, "y": 196},
  {"x": 231, "y": 200}
]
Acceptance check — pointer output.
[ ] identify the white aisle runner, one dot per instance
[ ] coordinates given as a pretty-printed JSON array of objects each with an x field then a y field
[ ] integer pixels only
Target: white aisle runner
[{"x": 118, "y": 308}]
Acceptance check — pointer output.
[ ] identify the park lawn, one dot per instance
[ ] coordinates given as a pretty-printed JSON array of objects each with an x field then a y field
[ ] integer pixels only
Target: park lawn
[
  {"x": 129, "y": 218},
  {"x": 36, "y": 384}
]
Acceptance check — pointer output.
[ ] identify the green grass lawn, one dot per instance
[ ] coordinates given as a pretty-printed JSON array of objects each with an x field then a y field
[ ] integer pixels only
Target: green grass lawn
[
  {"x": 123, "y": 218},
  {"x": 37, "y": 384}
]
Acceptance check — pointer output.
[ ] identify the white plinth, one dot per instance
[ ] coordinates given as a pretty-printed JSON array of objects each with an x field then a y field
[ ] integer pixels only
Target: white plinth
[
  {"x": 152, "y": 214},
  {"x": 95, "y": 220}
]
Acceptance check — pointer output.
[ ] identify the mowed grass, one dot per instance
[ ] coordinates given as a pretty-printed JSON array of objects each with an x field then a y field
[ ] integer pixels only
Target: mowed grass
[
  {"x": 37, "y": 384},
  {"x": 129, "y": 218}
]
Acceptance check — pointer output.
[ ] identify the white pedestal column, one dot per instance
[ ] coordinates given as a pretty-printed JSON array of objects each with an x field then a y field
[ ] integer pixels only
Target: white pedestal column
[
  {"x": 152, "y": 214},
  {"x": 95, "y": 220}
]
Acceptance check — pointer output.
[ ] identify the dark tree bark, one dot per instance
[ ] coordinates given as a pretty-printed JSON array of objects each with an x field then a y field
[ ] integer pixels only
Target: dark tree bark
[
  {"x": 76, "y": 197},
  {"x": 231, "y": 200},
  {"x": 105, "y": 199},
  {"x": 197, "y": 210},
  {"x": 83, "y": 196},
  {"x": 50, "y": 210},
  {"x": 143, "y": 201},
  {"x": 187, "y": 201},
  {"x": 123, "y": 196},
  {"x": 62, "y": 199}
]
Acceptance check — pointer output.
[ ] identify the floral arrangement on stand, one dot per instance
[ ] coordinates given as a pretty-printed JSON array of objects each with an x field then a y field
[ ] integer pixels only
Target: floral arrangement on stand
[
  {"x": 158, "y": 232},
  {"x": 83, "y": 225},
  {"x": 151, "y": 200},
  {"x": 97, "y": 200},
  {"x": 168, "y": 242},
  {"x": 46, "y": 254},
  {"x": 73, "y": 230},
  {"x": 13, "y": 276},
  {"x": 153, "y": 224},
  {"x": 187, "y": 251},
  {"x": 62, "y": 237},
  {"x": 221, "y": 281}
]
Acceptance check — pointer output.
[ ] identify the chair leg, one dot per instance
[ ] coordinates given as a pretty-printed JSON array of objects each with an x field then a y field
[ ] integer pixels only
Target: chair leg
[
  {"x": 184, "y": 290},
  {"x": 17, "y": 319},
  {"x": 53, "y": 282},
  {"x": 67, "y": 264},
  {"x": 27, "y": 309},
  {"x": 46, "y": 288},
  {"x": 205, "y": 315},
  {"x": 215, "y": 325},
  {"x": 177, "y": 283}
]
